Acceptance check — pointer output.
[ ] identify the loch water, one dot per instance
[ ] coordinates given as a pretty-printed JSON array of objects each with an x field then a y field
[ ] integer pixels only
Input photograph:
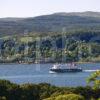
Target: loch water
[{"x": 39, "y": 73}]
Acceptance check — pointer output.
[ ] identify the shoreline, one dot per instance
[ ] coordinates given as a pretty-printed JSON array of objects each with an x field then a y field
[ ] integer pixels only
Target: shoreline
[{"x": 50, "y": 63}]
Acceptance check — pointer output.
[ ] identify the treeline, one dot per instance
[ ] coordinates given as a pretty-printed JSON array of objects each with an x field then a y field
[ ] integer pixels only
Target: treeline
[
  {"x": 65, "y": 47},
  {"x": 11, "y": 91}
]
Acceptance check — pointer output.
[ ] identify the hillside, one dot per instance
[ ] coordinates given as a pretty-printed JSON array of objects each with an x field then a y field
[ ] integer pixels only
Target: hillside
[
  {"x": 51, "y": 23},
  {"x": 81, "y": 38}
]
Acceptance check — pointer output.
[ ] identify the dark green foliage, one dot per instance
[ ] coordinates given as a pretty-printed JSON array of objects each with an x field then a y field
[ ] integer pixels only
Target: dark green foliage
[
  {"x": 30, "y": 92},
  {"x": 70, "y": 46},
  {"x": 11, "y": 91},
  {"x": 85, "y": 91}
]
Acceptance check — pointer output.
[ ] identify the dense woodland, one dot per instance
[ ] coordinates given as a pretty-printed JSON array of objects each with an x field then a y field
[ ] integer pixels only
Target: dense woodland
[
  {"x": 77, "y": 46},
  {"x": 59, "y": 37}
]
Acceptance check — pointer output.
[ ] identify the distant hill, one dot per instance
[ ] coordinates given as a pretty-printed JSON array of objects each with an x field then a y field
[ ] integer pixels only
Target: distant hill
[
  {"x": 82, "y": 14},
  {"x": 51, "y": 23}
]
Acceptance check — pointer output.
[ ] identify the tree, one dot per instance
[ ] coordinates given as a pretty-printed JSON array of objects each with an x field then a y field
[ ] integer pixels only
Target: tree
[{"x": 95, "y": 79}]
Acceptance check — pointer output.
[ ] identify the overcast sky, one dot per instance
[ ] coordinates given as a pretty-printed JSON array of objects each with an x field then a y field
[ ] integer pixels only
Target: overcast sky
[{"x": 30, "y": 8}]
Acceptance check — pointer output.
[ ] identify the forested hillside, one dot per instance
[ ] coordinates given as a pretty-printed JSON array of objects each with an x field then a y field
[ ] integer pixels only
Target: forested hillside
[
  {"x": 58, "y": 37},
  {"x": 51, "y": 23}
]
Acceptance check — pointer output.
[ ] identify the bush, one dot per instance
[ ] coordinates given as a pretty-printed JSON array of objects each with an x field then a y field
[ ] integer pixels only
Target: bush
[
  {"x": 87, "y": 91},
  {"x": 30, "y": 92},
  {"x": 11, "y": 91}
]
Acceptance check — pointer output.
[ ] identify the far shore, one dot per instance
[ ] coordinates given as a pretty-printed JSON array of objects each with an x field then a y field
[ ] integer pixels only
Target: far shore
[{"x": 6, "y": 63}]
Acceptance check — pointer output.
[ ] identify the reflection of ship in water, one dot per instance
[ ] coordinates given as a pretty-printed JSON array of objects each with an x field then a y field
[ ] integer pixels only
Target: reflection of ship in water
[{"x": 64, "y": 68}]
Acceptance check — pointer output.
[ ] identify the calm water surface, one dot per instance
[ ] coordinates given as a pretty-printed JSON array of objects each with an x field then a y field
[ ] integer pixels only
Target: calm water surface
[{"x": 38, "y": 73}]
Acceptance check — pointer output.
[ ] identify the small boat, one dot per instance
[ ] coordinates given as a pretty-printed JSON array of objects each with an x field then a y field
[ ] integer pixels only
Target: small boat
[{"x": 67, "y": 68}]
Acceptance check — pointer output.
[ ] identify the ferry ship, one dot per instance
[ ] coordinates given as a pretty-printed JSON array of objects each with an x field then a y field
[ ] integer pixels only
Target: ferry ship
[{"x": 64, "y": 68}]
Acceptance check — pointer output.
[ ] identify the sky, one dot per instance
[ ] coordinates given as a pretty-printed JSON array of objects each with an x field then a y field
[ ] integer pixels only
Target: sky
[{"x": 31, "y": 8}]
